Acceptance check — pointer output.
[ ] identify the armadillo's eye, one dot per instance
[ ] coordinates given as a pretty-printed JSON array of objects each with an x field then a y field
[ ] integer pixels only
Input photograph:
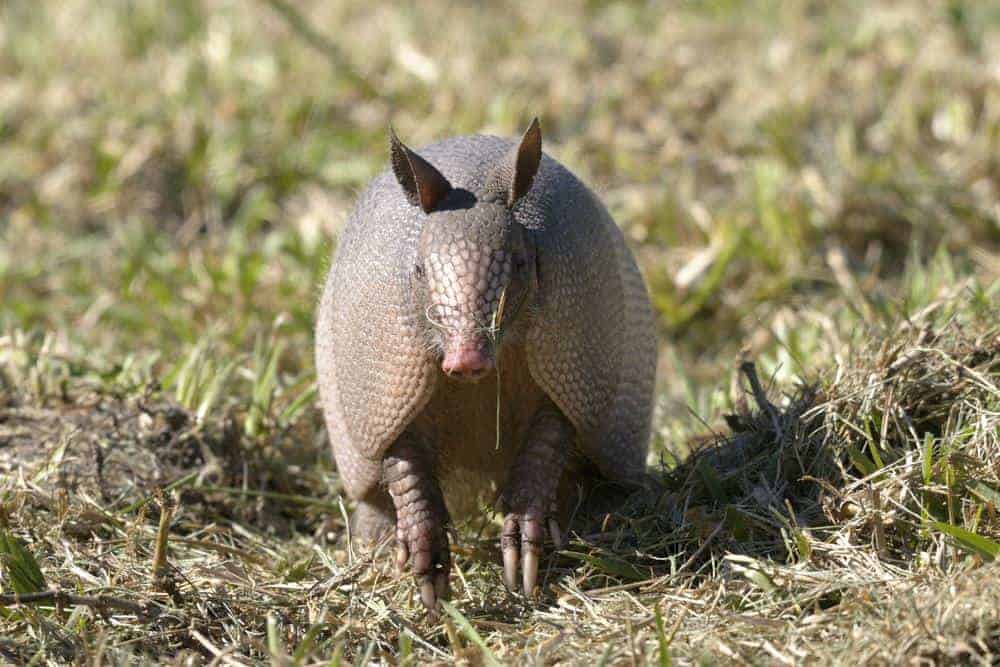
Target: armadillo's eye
[{"x": 418, "y": 271}]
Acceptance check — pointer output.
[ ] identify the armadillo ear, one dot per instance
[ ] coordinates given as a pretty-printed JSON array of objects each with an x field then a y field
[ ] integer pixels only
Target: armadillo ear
[
  {"x": 525, "y": 159},
  {"x": 424, "y": 185}
]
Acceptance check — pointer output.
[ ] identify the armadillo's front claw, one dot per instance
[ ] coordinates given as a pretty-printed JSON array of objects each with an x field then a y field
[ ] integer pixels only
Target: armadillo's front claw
[
  {"x": 511, "y": 549},
  {"x": 425, "y": 549},
  {"x": 427, "y": 594},
  {"x": 402, "y": 557},
  {"x": 556, "y": 533},
  {"x": 433, "y": 587},
  {"x": 521, "y": 543}
]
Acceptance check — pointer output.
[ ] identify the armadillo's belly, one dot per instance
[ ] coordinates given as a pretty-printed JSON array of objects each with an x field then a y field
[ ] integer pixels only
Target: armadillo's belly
[{"x": 475, "y": 445}]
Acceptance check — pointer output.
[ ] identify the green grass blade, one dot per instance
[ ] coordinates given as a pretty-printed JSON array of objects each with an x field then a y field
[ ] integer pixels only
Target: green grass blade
[
  {"x": 307, "y": 643},
  {"x": 610, "y": 565},
  {"x": 470, "y": 633},
  {"x": 970, "y": 541},
  {"x": 214, "y": 390},
  {"x": 986, "y": 492},
  {"x": 662, "y": 639},
  {"x": 20, "y": 566},
  {"x": 928, "y": 458},
  {"x": 864, "y": 464},
  {"x": 304, "y": 400},
  {"x": 274, "y": 644}
]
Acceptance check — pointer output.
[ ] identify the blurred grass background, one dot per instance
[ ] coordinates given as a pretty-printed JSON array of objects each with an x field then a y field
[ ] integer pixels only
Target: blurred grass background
[
  {"x": 795, "y": 177},
  {"x": 169, "y": 169}
]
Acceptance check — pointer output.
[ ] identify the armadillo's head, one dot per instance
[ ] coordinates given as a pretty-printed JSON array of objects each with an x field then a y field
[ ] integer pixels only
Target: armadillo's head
[{"x": 475, "y": 268}]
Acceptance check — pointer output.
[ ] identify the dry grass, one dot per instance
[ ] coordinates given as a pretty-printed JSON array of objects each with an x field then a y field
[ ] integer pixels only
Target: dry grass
[
  {"x": 810, "y": 186},
  {"x": 830, "y": 523}
]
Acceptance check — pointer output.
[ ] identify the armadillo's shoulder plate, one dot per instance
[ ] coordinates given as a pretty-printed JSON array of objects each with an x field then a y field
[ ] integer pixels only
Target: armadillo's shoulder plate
[
  {"x": 369, "y": 333},
  {"x": 591, "y": 344}
]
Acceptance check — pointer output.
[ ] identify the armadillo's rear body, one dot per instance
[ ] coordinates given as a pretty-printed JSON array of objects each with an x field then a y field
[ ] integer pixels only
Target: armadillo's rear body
[{"x": 584, "y": 343}]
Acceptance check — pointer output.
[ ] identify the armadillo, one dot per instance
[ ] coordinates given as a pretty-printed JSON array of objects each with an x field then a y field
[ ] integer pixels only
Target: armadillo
[{"x": 484, "y": 334}]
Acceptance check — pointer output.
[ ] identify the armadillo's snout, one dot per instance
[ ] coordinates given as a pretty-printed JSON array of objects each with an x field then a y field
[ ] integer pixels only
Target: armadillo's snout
[{"x": 467, "y": 362}]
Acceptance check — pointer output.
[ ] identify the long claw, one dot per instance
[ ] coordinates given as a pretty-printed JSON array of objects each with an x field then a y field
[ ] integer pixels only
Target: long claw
[
  {"x": 428, "y": 595},
  {"x": 557, "y": 536},
  {"x": 441, "y": 586},
  {"x": 521, "y": 542},
  {"x": 530, "y": 573},
  {"x": 511, "y": 556},
  {"x": 532, "y": 538},
  {"x": 402, "y": 557},
  {"x": 427, "y": 557},
  {"x": 510, "y": 547}
]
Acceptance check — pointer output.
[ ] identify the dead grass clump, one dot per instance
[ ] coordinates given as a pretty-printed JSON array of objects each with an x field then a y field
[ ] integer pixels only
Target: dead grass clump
[
  {"x": 916, "y": 426},
  {"x": 898, "y": 450},
  {"x": 845, "y": 513}
]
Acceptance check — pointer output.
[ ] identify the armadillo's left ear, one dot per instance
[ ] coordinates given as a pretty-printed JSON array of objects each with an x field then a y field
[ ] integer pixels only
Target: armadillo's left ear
[
  {"x": 423, "y": 185},
  {"x": 517, "y": 172}
]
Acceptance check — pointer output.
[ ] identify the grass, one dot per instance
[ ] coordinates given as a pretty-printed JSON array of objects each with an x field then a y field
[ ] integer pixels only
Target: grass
[{"x": 808, "y": 187}]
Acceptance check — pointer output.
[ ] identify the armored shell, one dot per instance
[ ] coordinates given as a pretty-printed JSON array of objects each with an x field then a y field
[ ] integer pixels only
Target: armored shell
[{"x": 585, "y": 340}]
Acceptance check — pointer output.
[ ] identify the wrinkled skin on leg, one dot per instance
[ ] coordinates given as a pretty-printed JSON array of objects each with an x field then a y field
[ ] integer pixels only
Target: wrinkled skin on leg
[
  {"x": 421, "y": 519},
  {"x": 373, "y": 520},
  {"x": 530, "y": 497}
]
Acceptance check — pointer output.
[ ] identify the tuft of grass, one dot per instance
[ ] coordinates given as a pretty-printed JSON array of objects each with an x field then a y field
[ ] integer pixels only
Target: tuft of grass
[{"x": 20, "y": 569}]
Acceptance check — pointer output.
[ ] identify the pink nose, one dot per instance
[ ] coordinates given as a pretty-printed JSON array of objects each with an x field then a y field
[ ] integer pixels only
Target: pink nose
[{"x": 466, "y": 363}]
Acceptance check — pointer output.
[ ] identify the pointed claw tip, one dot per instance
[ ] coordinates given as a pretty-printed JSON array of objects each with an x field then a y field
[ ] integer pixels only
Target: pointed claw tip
[
  {"x": 428, "y": 596},
  {"x": 510, "y": 559},
  {"x": 530, "y": 573},
  {"x": 557, "y": 536}
]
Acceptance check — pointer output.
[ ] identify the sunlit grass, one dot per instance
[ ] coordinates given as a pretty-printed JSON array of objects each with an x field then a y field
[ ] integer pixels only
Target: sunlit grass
[{"x": 812, "y": 186}]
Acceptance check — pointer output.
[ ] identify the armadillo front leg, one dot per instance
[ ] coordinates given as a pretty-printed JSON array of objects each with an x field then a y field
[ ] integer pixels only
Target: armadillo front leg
[
  {"x": 421, "y": 518},
  {"x": 530, "y": 496}
]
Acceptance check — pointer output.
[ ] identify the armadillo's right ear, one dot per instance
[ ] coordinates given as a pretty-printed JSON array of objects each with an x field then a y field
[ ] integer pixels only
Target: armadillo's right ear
[
  {"x": 424, "y": 185},
  {"x": 517, "y": 172}
]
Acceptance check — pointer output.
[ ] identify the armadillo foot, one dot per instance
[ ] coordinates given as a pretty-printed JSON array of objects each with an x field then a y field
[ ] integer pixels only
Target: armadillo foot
[
  {"x": 530, "y": 498},
  {"x": 521, "y": 543},
  {"x": 421, "y": 523},
  {"x": 425, "y": 550}
]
